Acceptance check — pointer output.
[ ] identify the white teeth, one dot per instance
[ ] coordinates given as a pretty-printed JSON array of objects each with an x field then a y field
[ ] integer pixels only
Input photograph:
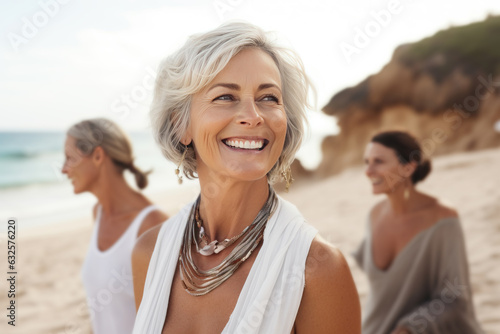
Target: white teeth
[{"x": 245, "y": 144}]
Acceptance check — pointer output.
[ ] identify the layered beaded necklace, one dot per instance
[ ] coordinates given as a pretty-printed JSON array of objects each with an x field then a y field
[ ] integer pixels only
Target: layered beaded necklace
[{"x": 198, "y": 282}]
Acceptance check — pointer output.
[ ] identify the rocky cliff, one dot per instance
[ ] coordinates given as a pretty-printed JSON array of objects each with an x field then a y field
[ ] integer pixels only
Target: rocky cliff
[{"x": 444, "y": 89}]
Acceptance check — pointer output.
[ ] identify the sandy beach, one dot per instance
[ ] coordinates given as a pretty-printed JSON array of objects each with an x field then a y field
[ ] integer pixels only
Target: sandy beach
[{"x": 50, "y": 297}]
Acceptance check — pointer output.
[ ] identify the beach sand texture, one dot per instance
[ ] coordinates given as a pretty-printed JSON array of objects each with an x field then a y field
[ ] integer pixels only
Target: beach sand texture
[{"x": 50, "y": 298}]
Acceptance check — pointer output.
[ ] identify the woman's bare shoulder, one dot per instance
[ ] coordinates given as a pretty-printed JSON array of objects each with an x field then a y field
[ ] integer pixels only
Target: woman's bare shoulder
[
  {"x": 439, "y": 207},
  {"x": 327, "y": 256},
  {"x": 330, "y": 303},
  {"x": 445, "y": 210},
  {"x": 146, "y": 242},
  {"x": 153, "y": 219}
]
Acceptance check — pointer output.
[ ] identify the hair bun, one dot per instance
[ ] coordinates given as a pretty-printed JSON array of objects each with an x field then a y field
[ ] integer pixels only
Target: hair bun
[{"x": 423, "y": 169}]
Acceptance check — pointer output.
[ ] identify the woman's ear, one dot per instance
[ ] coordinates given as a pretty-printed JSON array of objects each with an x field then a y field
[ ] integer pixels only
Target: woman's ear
[
  {"x": 408, "y": 169},
  {"x": 98, "y": 156},
  {"x": 187, "y": 138}
]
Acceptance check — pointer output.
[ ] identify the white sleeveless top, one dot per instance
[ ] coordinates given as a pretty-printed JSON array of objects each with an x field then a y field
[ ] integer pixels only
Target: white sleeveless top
[
  {"x": 271, "y": 295},
  {"x": 107, "y": 278}
]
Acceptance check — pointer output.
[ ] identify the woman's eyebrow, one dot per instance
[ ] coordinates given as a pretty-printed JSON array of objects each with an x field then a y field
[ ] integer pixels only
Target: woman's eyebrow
[
  {"x": 234, "y": 86},
  {"x": 268, "y": 85}
]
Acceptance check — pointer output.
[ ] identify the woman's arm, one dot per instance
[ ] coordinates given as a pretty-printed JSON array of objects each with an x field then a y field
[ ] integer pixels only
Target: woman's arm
[
  {"x": 94, "y": 211},
  {"x": 330, "y": 303},
  {"x": 450, "y": 308},
  {"x": 141, "y": 255}
]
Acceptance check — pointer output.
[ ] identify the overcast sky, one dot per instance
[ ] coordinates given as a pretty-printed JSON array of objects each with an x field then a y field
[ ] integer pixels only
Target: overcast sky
[{"x": 63, "y": 61}]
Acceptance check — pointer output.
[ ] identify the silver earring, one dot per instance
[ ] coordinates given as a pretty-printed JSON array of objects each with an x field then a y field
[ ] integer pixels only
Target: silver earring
[
  {"x": 178, "y": 169},
  {"x": 286, "y": 174}
]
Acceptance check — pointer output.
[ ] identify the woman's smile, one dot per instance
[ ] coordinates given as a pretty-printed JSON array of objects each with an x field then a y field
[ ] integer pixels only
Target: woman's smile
[{"x": 246, "y": 144}]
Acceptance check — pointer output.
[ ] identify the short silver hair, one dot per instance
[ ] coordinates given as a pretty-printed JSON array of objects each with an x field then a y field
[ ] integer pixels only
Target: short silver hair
[{"x": 197, "y": 63}]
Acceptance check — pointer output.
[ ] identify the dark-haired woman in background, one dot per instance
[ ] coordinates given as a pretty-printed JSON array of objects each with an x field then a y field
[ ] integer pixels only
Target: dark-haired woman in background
[
  {"x": 414, "y": 250},
  {"x": 97, "y": 153}
]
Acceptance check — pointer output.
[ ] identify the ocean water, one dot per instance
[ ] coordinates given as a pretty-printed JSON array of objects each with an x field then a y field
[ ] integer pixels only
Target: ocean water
[
  {"x": 36, "y": 158},
  {"x": 28, "y": 157},
  {"x": 33, "y": 189}
]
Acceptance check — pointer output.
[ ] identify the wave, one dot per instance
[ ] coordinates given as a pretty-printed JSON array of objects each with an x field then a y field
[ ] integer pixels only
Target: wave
[
  {"x": 4, "y": 185},
  {"x": 27, "y": 154},
  {"x": 29, "y": 145}
]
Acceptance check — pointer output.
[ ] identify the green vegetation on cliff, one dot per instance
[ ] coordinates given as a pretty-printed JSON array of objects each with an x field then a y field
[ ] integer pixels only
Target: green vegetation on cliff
[
  {"x": 453, "y": 59},
  {"x": 475, "y": 48}
]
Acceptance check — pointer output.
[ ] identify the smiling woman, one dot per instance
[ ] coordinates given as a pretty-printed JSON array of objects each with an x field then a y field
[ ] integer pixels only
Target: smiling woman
[
  {"x": 414, "y": 249},
  {"x": 229, "y": 108}
]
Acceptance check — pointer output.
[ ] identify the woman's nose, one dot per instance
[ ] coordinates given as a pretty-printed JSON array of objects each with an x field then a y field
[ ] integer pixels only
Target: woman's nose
[
  {"x": 249, "y": 114},
  {"x": 368, "y": 170},
  {"x": 64, "y": 168}
]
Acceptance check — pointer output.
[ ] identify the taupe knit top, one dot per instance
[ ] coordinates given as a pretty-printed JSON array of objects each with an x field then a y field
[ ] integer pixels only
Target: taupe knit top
[{"x": 426, "y": 288}]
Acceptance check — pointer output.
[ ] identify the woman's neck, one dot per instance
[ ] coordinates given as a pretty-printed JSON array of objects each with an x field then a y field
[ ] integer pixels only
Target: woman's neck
[
  {"x": 416, "y": 201},
  {"x": 114, "y": 194},
  {"x": 226, "y": 208},
  {"x": 399, "y": 204}
]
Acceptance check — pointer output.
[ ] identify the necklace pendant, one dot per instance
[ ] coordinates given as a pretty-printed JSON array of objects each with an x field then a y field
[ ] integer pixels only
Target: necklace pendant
[
  {"x": 209, "y": 249},
  {"x": 202, "y": 232},
  {"x": 219, "y": 248},
  {"x": 199, "y": 282}
]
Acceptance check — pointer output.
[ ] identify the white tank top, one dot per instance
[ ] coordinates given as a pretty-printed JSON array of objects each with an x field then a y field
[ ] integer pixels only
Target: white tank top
[
  {"x": 107, "y": 278},
  {"x": 270, "y": 298}
]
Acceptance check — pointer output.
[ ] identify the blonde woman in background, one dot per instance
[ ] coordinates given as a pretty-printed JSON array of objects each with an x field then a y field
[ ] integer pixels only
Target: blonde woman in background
[{"x": 97, "y": 154}]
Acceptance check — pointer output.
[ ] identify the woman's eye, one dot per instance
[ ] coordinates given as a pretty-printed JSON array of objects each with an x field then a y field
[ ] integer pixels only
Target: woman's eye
[
  {"x": 224, "y": 98},
  {"x": 271, "y": 98}
]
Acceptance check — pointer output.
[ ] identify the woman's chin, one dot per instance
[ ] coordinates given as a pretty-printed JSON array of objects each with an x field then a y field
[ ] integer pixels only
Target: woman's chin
[
  {"x": 247, "y": 171},
  {"x": 376, "y": 191},
  {"x": 247, "y": 174},
  {"x": 77, "y": 190}
]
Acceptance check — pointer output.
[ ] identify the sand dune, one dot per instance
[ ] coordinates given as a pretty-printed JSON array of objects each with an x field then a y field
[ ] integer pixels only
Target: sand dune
[{"x": 50, "y": 295}]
